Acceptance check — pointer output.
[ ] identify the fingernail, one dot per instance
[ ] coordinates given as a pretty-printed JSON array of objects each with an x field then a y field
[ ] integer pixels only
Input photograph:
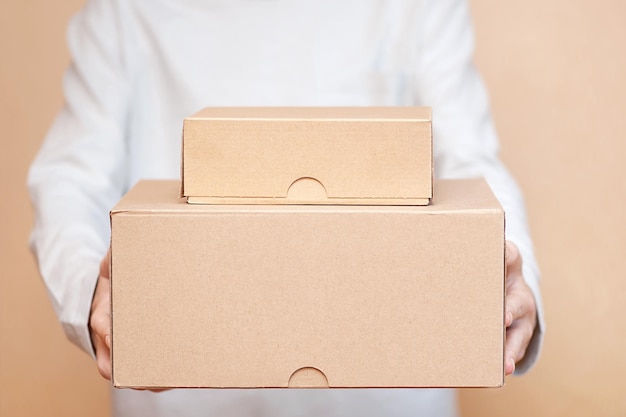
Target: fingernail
[
  {"x": 107, "y": 341},
  {"x": 509, "y": 318}
]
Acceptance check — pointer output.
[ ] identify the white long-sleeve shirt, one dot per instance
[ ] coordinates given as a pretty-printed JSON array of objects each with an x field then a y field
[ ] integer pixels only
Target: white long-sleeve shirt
[{"x": 140, "y": 66}]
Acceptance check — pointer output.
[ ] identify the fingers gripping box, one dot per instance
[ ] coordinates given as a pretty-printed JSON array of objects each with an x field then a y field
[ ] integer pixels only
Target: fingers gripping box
[{"x": 308, "y": 296}]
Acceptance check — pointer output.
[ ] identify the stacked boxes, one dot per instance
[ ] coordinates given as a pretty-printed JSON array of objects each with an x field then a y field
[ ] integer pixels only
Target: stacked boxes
[{"x": 289, "y": 269}]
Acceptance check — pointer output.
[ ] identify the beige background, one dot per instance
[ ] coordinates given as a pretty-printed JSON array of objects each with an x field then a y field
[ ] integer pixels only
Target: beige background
[{"x": 555, "y": 71}]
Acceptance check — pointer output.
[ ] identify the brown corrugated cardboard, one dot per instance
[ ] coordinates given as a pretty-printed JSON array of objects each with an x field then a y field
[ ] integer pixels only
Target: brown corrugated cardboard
[
  {"x": 314, "y": 155},
  {"x": 300, "y": 296}
]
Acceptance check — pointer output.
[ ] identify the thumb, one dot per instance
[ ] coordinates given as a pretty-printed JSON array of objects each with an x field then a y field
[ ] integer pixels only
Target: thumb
[
  {"x": 105, "y": 265},
  {"x": 513, "y": 258}
]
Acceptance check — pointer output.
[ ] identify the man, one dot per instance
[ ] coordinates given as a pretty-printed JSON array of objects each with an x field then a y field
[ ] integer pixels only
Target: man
[{"x": 139, "y": 67}]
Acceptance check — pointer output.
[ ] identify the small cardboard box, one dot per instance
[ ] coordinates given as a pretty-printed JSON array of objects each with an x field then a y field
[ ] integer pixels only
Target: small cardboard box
[
  {"x": 314, "y": 155},
  {"x": 308, "y": 296}
]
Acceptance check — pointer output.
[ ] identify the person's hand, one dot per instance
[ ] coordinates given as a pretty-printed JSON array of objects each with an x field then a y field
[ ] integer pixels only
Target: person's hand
[
  {"x": 520, "y": 310},
  {"x": 100, "y": 319}
]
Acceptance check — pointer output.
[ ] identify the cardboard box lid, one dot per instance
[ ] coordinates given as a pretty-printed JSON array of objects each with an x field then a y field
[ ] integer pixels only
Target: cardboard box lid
[
  {"x": 308, "y": 296},
  {"x": 161, "y": 196},
  {"x": 308, "y": 155}
]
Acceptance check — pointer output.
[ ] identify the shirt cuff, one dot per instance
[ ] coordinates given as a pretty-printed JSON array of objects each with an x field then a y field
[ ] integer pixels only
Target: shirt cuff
[{"x": 76, "y": 324}]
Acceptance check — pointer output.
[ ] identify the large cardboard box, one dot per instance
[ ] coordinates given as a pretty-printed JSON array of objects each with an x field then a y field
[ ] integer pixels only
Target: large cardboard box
[
  {"x": 299, "y": 296},
  {"x": 313, "y": 155}
]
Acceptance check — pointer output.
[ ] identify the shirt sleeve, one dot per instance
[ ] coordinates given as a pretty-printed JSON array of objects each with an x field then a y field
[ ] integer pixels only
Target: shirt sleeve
[
  {"x": 79, "y": 172},
  {"x": 464, "y": 139}
]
